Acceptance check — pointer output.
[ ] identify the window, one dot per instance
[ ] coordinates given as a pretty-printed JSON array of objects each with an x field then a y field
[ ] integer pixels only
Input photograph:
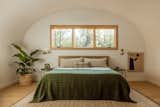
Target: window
[
  {"x": 105, "y": 38},
  {"x": 84, "y": 36},
  {"x": 62, "y": 38}
]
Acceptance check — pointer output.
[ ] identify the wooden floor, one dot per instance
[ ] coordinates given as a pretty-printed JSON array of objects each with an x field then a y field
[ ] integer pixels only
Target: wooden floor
[
  {"x": 11, "y": 95},
  {"x": 14, "y": 93},
  {"x": 147, "y": 89}
]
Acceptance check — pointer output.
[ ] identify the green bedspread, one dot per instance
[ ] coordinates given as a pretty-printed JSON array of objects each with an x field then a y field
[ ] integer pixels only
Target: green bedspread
[{"x": 82, "y": 84}]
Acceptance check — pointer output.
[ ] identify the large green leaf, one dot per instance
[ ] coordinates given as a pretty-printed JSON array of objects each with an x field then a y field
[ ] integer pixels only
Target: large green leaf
[
  {"x": 29, "y": 63},
  {"x": 20, "y": 50},
  {"x": 20, "y": 63},
  {"x": 22, "y": 57},
  {"x": 35, "y": 59},
  {"x": 35, "y": 52}
]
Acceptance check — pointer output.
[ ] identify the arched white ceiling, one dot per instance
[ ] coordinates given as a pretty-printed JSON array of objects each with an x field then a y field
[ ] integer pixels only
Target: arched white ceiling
[
  {"x": 24, "y": 12},
  {"x": 16, "y": 16}
]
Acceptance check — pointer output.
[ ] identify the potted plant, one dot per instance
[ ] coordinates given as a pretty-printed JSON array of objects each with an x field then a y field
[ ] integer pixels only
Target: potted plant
[{"x": 25, "y": 64}]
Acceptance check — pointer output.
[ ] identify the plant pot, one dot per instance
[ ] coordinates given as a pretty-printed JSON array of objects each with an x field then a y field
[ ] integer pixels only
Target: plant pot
[{"x": 25, "y": 79}]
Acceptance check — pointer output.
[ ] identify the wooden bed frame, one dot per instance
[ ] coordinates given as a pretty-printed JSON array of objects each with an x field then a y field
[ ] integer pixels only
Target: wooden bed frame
[{"x": 68, "y": 57}]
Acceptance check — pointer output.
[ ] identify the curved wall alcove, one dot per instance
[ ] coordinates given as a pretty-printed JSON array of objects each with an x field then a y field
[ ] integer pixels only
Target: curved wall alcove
[
  {"x": 38, "y": 35},
  {"x": 18, "y": 15}
]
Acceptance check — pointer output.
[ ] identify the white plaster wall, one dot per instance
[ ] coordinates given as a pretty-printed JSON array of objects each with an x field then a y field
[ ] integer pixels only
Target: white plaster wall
[
  {"x": 17, "y": 15},
  {"x": 7, "y": 70},
  {"x": 37, "y": 36}
]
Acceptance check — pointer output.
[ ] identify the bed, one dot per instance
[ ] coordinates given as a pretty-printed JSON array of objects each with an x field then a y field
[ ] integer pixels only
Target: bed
[{"x": 82, "y": 83}]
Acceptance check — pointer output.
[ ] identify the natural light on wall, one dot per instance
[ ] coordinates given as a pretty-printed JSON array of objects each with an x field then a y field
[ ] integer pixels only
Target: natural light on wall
[{"x": 84, "y": 36}]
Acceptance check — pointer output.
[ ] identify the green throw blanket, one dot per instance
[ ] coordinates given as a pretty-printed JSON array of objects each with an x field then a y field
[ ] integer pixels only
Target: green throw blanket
[{"x": 82, "y": 84}]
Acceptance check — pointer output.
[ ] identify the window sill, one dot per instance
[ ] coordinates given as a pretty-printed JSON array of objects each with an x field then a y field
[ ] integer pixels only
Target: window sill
[{"x": 84, "y": 48}]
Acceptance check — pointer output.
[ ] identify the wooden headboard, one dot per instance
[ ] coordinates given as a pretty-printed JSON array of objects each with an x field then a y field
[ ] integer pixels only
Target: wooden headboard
[{"x": 68, "y": 57}]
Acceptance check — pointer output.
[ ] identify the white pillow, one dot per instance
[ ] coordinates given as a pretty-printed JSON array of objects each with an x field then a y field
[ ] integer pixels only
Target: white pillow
[
  {"x": 69, "y": 62},
  {"x": 97, "y": 62}
]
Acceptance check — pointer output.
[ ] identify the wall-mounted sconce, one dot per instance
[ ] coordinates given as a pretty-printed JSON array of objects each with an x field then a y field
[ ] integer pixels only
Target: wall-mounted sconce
[
  {"x": 46, "y": 51},
  {"x": 136, "y": 58},
  {"x": 122, "y": 52}
]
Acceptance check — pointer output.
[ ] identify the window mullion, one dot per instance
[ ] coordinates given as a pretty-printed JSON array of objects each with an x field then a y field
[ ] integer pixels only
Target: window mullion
[
  {"x": 94, "y": 38},
  {"x": 73, "y": 37},
  {"x": 115, "y": 38}
]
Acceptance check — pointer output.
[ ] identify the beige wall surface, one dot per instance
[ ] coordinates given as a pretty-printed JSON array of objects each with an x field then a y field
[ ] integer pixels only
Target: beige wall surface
[
  {"x": 129, "y": 38},
  {"x": 16, "y": 16}
]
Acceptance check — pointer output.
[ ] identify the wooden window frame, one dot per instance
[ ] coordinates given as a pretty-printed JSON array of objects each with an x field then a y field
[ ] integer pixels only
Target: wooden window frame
[{"x": 94, "y": 27}]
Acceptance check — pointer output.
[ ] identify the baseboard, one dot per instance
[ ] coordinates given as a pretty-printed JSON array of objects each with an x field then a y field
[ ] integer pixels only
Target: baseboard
[
  {"x": 156, "y": 82},
  {"x": 2, "y": 86}
]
